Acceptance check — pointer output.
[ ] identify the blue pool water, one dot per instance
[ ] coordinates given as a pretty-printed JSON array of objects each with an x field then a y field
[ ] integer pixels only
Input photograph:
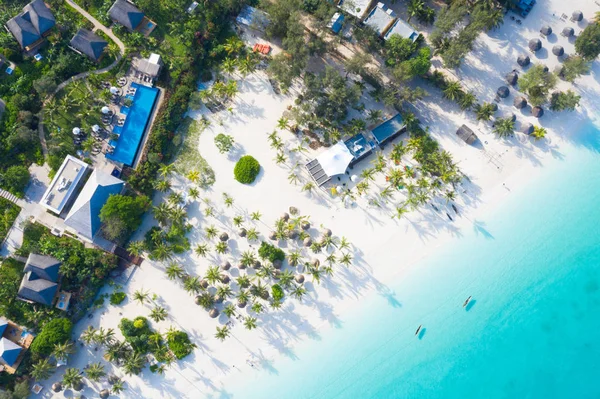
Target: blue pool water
[
  {"x": 533, "y": 269},
  {"x": 133, "y": 130},
  {"x": 388, "y": 129}
]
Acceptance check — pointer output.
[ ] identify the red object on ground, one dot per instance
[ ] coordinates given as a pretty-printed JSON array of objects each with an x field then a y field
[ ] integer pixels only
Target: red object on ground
[{"x": 262, "y": 48}]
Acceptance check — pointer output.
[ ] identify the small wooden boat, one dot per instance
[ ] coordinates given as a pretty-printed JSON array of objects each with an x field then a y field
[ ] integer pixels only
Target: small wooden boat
[
  {"x": 418, "y": 329},
  {"x": 467, "y": 301}
]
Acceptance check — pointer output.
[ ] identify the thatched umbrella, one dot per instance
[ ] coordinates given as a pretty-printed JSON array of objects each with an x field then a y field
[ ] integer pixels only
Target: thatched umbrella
[
  {"x": 293, "y": 235},
  {"x": 293, "y": 210},
  {"x": 305, "y": 225},
  {"x": 307, "y": 242},
  {"x": 241, "y": 304},
  {"x": 494, "y": 107},
  {"x": 299, "y": 278},
  {"x": 546, "y": 30},
  {"x": 241, "y": 266},
  {"x": 535, "y": 44},
  {"x": 256, "y": 265},
  {"x": 523, "y": 60},
  {"x": 204, "y": 284},
  {"x": 242, "y": 232},
  {"x": 224, "y": 237},
  {"x": 510, "y": 116},
  {"x": 520, "y": 102},
  {"x": 537, "y": 111},
  {"x": 213, "y": 313},
  {"x": 78, "y": 386},
  {"x": 527, "y": 128},
  {"x": 104, "y": 393},
  {"x": 568, "y": 31},
  {"x": 512, "y": 78},
  {"x": 327, "y": 233},
  {"x": 57, "y": 387},
  {"x": 285, "y": 216},
  {"x": 218, "y": 298},
  {"x": 558, "y": 50},
  {"x": 277, "y": 264},
  {"x": 225, "y": 265},
  {"x": 112, "y": 378},
  {"x": 315, "y": 262},
  {"x": 577, "y": 16},
  {"x": 198, "y": 299},
  {"x": 558, "y": 70},
  {"x": 225, "y": 279},
  {"x": 273, "y": 236},
  {"x": 503, "y": 92}
]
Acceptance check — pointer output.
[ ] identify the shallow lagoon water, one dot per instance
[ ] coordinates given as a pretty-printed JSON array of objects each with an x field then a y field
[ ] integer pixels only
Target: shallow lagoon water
[{"x": 532, "y": 330}]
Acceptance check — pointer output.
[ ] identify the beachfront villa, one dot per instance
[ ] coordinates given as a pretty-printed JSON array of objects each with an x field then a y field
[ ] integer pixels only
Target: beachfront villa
[
  {"x": 84, "y": 216},
  {"x": 14, "y": 342},
  {"x": 89, "y": 44},
  {"x": 128, "y": 15},
  {"x": 41, "y": 280},
  {"x": 356, "y": 8},
  {"x": 380, "y": 18},
  {"x": 32, "y": 25},
  {"x": 403, "y": 29},
  {"x": 337, "y": 158},
  {"x": 60, "y": 193}
]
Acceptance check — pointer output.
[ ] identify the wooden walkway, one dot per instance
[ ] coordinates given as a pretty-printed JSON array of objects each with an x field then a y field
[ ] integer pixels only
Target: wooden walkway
[{"x": 11, "y": 197}]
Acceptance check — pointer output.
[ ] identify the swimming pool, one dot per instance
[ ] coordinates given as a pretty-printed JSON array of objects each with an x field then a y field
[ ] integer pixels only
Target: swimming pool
[
  {"x": 388, "y": 129},
  {"x": 132, "y": 131}
]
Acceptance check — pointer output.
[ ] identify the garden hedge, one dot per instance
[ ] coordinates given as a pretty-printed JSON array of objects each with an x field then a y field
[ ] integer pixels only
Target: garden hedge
[{"x": 246, "y": 169}]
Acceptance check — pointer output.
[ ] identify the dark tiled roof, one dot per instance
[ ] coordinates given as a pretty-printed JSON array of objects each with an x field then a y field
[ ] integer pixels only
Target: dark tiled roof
[
  {"x": 23, "y": 31},
  {"x": 45, "y": 267},
  {"x": 9, "y": 351},
  {"x": 126, "y": 14},
  {"x": 29, "y": 26},
  {"x": 89, "y": 44},
  {"x": 37, "y": 289}
]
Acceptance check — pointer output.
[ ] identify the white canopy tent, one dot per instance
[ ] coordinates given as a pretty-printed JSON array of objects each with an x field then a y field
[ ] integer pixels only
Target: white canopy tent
[{"x": 334, "y": 161}]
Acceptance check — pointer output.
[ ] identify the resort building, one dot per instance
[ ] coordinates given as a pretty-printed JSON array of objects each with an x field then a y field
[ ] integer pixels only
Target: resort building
[
  {"x": 356, "y": 8},
  {"x": 84, "y": 216},
  {"x": 40, "y": 282},
  {"x": 128, "y": 15},
  {"x": 14, "y": 342},
  {"x": 380, "y": 18},
  {"x": 253, "y": 18},
  {"x": 403, "y": 29},
  {"x": 147, "y": 69},
  {"x": 88, "y": 43},
  {"x": 32, "y": 25},
  {"x": 66, "y": 181}
]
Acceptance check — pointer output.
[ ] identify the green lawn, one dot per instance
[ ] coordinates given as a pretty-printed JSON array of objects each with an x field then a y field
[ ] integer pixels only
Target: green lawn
[
  {"x": 8, "y": 214},
  {"x": 188, "y": 158}
]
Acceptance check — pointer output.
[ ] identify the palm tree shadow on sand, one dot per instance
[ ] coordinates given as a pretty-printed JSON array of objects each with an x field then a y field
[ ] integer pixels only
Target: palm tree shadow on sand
[{"x": 480, "y": 229}]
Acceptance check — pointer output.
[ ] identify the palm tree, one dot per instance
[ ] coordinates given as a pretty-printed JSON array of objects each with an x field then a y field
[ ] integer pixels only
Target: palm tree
[
  {"x": 309, "y": 186},
  {"x": 194, "y": 193},
  {"x": 331, "y": 259},
  {"x": 202, "y": 250},
  {"x": 222, "y": 333},
  {"x": 259, "y": 291},
  {"x": 538, "y": 133},
  {"x": 467, "y": 100},
  {"x": 248, "y": 258},
  {"x": 298, "y": 292},
  {"x": 61, "y": 351},
  {"x": 193, "y": 176},
  {"x": 344, "y": 244},
  {"x": 117, "y": 351},
  {"x": 293, "y": 178},
  {"x": 247, "y": 65},
  {"x": 213, "y": 275},
  {"x": 415, "y": 8},
  {"x": 484, "y": 111},
  {"x": 250, "y": 323},
  {"x": 162, "y": 185},
  {"x": 257, "y": 307},
  {"x": 229, "y": 65},
  {"x": 72, "y": 379},
  {"x": 175, "y": 198},
  {"x": 504, "y": 127},
  {"x": 221, "y": 247},
  {"x": 192, "y": 285},
  {"x": 134, "y": 363},
  {"x": 105, "y": 337},
  {"x": 315, "y": 273},
  {"x": 294, "y": 258},
  {"x": 174, "y": 271},
  {"x": 368, "y": 174},
  {"x": 346, "y": 259},
  {"x": 95, "y": 371},
  {"x": 211, "y": 232},
  {"x": 255, "y": 216},
  {"x": 252, "y": 234},
  {"x": 42, "y": 369},
  {"x": 162, "y": 213},
  {"x": 141, "y": 296},
  {"x": 162, "y": 252},
  {"x": 453, "y": 91},
  {"x": 243, "y": 281},
  {"x": 286, "y": 278},
  {"x": 238, "y": 221},
  {"x": 165, "y": 170},
  {"x": 89, "y": 335},
  {"x": 280, "y": 158},
  {"x": 449, "y": 195},
  {"x": 232, "y": 45},
  {"x": 243, "y": 298},
  {"x": 118, "y": 387},
  {"x": 136, "y": 248},
  {"x": 229, "y": 310},
  {"x": 158, "y": 314},
  {"x": 282, "y": 123}
]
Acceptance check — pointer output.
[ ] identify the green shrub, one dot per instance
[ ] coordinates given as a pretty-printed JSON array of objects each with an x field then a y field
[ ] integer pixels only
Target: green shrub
[
  {"x": 117, "y": 297},
  {"x": 8, "y": 214},
  {"x": 57, "y": 331},
  {"x": 270, "y": 252},
  {"x": 277, "y": 292},
  {"x": 246, "y": 169},
  {"x": 180, "y": 344},
  {"x": 32, "y": 234},
  {"x": 137, "y": 332}
]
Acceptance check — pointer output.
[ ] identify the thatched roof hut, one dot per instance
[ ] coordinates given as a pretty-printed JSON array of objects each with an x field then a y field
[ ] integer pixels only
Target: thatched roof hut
[
  {"x": 558, "y": 50},
  {"x": 57, "y": 387},
  {"x": 204, "y": 284},
  {"x": 538, "y": 112},
  {"x": 577, "y": 16},
  {"x": 523, "y": 60},
  {"x": 213, "y": 313},
  {"x": 242, "y": 232},
  {"x": 503, "y": 92},
  {"x": 293, "y": 235},
  {"x": 465, "y": 133},
  {"x": 546, "y": 30},
  {"x": 105, "y": 393},
  {"x": 299, "y": 278},
  {"x": 520, "y": 102},
  {"x": 512, "y": 78},
  {"x": 241, "y": 304},
  {"x": 224, "y": 237},
  {"x": 257, "y": 265},
  {"x": 307, "y": 242},
  {"x": 78, "y": 386},
  {"x": 535, "y": 44},
  {"x": 568, "y": 31},
  {"x": 225, "y": 265},
  {"x": 293, "y": 210},
  {"x": 527, "y": 128},
  {"x": 546, "y": 69},
  {"x": 315, "y": 262},
  {"x": 218, "y": 298},
  {"x": 225, "y": 279}
]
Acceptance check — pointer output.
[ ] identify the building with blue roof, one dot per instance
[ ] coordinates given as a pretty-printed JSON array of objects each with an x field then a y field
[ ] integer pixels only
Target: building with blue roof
[
  {"x": 336, "y": 23},
  {"x": 31, "y": 26},
  {"x": 388, "y": 129},
  {"x": 403, "y": 29},
  {"x": 84, "y": 216},
  {"x": 40, "y": 282},
  {"x": 3, "y": 325},
  {"x": 9, "y": 352},
  {"x": 125, "y": 13}
]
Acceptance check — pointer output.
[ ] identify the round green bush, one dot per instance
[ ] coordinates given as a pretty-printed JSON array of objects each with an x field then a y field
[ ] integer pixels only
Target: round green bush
[
  {"x": 56, "y": 331},
  {"x": 117, "y": 297},
  {"x": 246, "y": 169}
]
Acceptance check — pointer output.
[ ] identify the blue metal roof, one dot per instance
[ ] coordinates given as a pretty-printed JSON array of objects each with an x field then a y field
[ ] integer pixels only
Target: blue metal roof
[
  {"x": 388, "y": 129},
  {"x": 9, "y": 351}
]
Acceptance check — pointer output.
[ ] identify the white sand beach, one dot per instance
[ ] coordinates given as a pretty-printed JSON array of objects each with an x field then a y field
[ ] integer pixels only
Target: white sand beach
[{"x": 383, "y": 248}]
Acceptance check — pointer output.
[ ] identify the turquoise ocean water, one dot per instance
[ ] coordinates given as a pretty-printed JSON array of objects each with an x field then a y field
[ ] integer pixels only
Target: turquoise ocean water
[{"x": 533, "y": 269}]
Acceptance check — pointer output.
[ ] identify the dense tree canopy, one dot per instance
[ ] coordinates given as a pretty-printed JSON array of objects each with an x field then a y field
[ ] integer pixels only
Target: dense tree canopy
[{"x": 587, "y": 43}]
